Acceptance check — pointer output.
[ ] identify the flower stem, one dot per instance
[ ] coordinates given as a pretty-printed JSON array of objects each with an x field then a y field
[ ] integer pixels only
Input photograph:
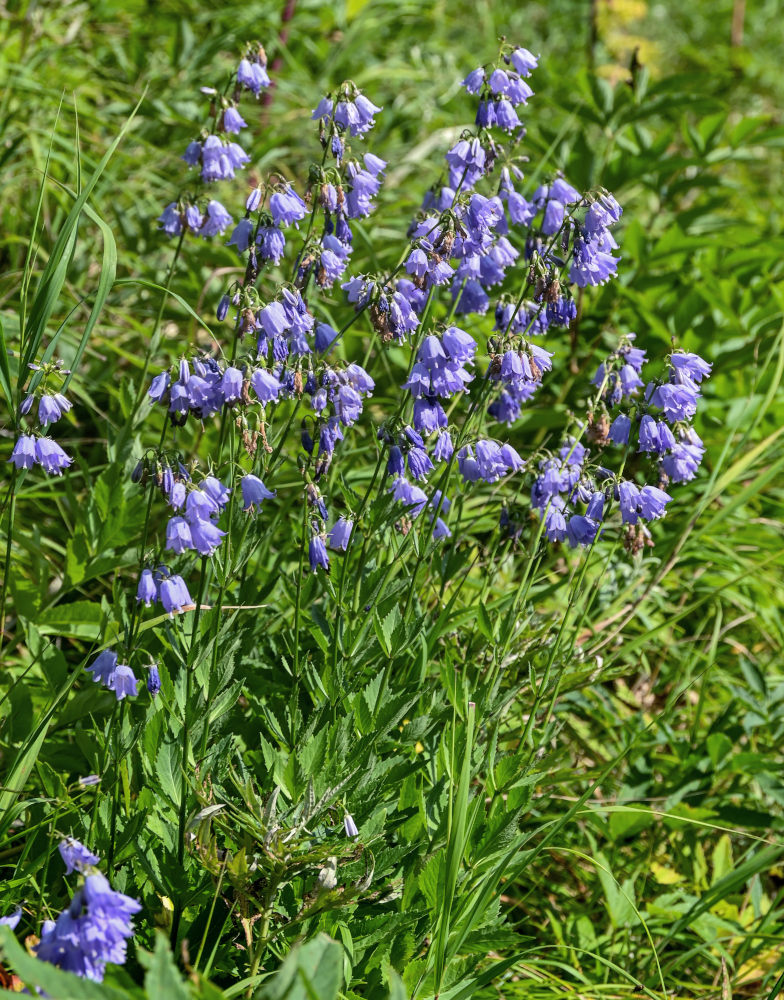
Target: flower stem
[
  {"x": 183, "y": 813},
  {"x": 298, "y": 602},
  {"x": 7, "y": 560}
]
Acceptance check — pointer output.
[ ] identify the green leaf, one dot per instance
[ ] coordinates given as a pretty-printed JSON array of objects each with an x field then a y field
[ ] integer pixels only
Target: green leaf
[
  {"x": 619, "y": 896},
  {"x": 721, "y": 858},
  {"x": 167, "y": 769},
  {"x": 5, "y": 370},
  {"x": 397, "y": 989},
  {"x": 82, "y": 618},
  {"x": 386, "y": 628},
  {"x": 162, "y": 978},
  {"x": 53, "y": 278},
  {"x": 312, "y": 971}
]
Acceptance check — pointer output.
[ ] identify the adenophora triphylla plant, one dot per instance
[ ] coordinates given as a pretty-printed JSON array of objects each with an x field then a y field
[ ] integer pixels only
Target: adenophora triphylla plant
[
  {"x": 485, "y": 273},
  {"x": 480, "y": 244}
]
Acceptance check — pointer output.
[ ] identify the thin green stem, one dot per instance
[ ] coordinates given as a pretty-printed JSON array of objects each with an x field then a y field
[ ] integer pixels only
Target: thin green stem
[
  {"x": 8, "y": 552},
  {"x": 117, "y": 734},
  {"x": 264, "y": 936},
  {"x": 300, "y": 574},
  {"x": 185, "y": 743}
]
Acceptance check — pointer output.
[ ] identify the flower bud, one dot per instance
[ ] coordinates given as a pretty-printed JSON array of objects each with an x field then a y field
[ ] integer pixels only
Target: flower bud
[{"x": 153, "y": 680}]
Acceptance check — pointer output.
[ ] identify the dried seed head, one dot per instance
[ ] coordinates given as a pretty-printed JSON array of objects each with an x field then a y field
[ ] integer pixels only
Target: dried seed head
[
  {"x": 380, "y": 321},
  {"x": 635, "y": 538},
  {"x": 446, "y": 243},
  {"x": 248, "y": 321},
  {"x": 598, "y": 428},
  {"x": 249, "y": 442}
]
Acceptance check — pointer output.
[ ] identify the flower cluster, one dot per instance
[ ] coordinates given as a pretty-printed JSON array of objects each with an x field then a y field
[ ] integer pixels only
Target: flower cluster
[
  {"x": 197, "y": 528},
  {"x": 348, "y": 112},
  {"x": 337, "y": 401},
  {"x": 252, "y": 70},
  {"x": 470, "y": 241},
  {"x": 502, "y": 90},
  {"x": 341, "y": 192},
  {"x": 216, "y": 154},
  {"x": 487, "y": 461},
  {"x": 117, "y": 677},
  {"x": 438, "y": 373},
  {"x": 661, "y": 422},
  {"x": 593, "y": 262},
  {"x": 164, "y": 586},
  {"x": 574, "y": 495},
  {"x": 95, "y": 928},
  {"x": 36, "y": 448},
  {"x": 519, "y": 372},
  {"x": 288, "y": 359},
  {"x": 392, "y": 309},
  {"x": 201, "y": 392},
  {"x": 561, "y": 482},
  {"x": 480, "y": 240}
]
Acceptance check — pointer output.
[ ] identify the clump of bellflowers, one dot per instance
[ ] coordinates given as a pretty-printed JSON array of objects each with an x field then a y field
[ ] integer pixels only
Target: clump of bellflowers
[
  {"x": 117, "y": 677},
  {"x": 280, "y": 352},
  {"x": 252, "y": 70},
  {"x": 94, "y": 929},
  {"x": 473, "y": 241},
  {"x": 485, "y": 243},
  {"x": 161, "y": 585},
  {"x": 441, "y": 369},
  {"x": 42, "y": 407},
  {"x": 486, "y": 283},
  {"x": 472, "y": 235},
  {"x": 575, "y": 492},
  {"x": 215, "y": 154},
  {"x": 336, "y": 193},
  {"x": 196, "y": 528},
  {"x": 346, "y": 113}
]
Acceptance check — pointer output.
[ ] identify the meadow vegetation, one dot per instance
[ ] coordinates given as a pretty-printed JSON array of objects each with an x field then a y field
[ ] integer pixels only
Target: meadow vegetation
[{"x": 489, "y": 763}]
